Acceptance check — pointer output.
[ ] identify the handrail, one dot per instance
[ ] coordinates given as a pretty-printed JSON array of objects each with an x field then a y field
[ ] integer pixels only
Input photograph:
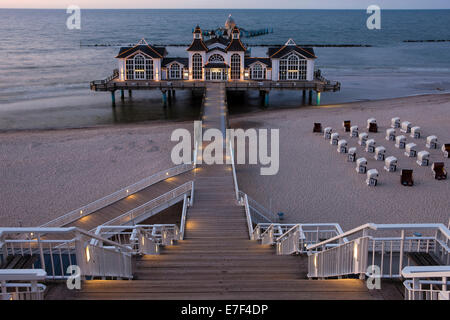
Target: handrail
[
  {"x": 257, "y": 208},
  {"x": 236, "y": 187},
  {"x": 248, "y": 216},
  {"x": 374, "y": 226},
  {"x": 133, "y": 214},
  {"x": 183, "y": 217},
  {"x": 118, "y": 195},
  {"x": 426, "y": 271}
]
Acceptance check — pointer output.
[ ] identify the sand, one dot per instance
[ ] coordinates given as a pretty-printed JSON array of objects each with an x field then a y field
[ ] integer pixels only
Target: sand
[
  {"x": 44, "y": 174},
  {"x": 316, "y": 184}
]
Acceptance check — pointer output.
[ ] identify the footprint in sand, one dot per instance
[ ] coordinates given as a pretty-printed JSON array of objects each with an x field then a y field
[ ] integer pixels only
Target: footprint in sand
[{"x": 153, "y": 149}]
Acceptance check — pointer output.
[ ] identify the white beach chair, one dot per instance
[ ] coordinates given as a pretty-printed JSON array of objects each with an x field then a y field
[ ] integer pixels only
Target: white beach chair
[
  {"x": 342, "y": 146},
  {"x": 406, "y": 127},
  {"x": 400, "y": 142},
  {"x": 390, "y": 164},
  {"x": 432, "y": 142},
  {"x": 370, "y": 145},
  {"x": 334, "y": 138},
  {"x": 446, "y": 150},
  {"x": 354, "y": 132},
  {"x": 361, "y": 165},
  {"x": 415, "y": 132},
  {"x": 327, "y": 133},
  {"x": 390, "y": 134},
  {"x": 351, "y": 157},
  {"x": 369, "y": 121},
  {"x": 380, "y": 153},
  {"x": 395, "y": 122},
  {"x": 363, "y": 138},
  {"x": 410, "y": 150},
  {"x": 423, "y": 158},
  {"x": 372, "y": 177}
]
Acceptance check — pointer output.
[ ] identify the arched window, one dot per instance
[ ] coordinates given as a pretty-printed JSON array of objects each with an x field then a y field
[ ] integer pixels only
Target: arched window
[
  {"x": 293, "y": 67},
  {"x": 175, "y": 71},
  {"x": 197, "y": 66},
  {"x": 139, "y": 68},
  {"x": 257, "y": 72},
  {"x": 216, "y": 58},
  {"x": 235, "y": 67}
]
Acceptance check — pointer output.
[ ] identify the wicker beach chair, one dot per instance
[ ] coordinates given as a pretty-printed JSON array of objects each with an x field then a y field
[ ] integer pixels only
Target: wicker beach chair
[
  {"x": 406, "y": 178},
  {"x": 439, "y": 172},
  {"x": 446, "y": 150},
  {"x": 317, "y": 127},
  {"x": 346, "y": 125},
  {"x": 373, "y": 127}
]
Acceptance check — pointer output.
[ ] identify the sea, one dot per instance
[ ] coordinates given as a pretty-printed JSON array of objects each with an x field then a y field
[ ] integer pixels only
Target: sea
[{"x": 46, "y": 68}]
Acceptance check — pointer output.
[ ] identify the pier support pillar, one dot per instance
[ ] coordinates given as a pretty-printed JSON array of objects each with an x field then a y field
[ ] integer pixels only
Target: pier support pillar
[
  {"x": 113, "y": 98},
  {"x": 122, "y": 94},
  {"x": 164, "y": 98},
  {"x": 170, "y": 97},
  {"x": 173, "y": 94},
  {"x": 310, "y": 97},
  {"x": 130, "y": 93},
  {"x": 266, "y": 99},
  {"x": 318, "y": 98}
]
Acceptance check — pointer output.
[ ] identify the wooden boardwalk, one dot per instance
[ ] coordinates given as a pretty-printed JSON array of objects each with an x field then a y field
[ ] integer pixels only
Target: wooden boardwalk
[{"x": 216, "y": 260}]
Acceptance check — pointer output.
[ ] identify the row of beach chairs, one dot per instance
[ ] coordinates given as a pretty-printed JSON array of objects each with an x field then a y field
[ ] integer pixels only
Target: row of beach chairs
[{"x": 380, "y": 151}]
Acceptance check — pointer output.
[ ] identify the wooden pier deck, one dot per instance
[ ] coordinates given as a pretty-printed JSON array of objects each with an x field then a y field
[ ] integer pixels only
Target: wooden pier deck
[{"x": 216, "y": 260}]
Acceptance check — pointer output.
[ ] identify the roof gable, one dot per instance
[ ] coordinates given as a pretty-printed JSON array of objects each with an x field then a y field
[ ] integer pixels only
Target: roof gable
[
  {"x": 143, "y": 47},
  {"x": 197, "y": 45},
  {"x": 236, "y": 45},
  {"x": 288, "y": 48}
]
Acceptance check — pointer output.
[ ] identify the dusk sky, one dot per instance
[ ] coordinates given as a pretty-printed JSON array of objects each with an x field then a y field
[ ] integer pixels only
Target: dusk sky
[{"x": 238, "y": 4}]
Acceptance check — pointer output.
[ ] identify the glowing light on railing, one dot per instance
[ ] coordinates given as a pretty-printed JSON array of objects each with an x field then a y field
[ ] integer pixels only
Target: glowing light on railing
[
  {"x": 167, "y": 173},
  {"x": 81, "y": 211},
  {"x": 315, "y": 261},
  {"x": 143, "y": 240},
  {"x": 127, "y": 190},
  {"x": 88, "y": 254},
  {"x": 355, "y": 251}
]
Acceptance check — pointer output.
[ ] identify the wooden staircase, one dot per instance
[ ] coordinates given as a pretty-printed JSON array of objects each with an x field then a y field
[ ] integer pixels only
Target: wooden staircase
[{"x": 216, "y": 259}]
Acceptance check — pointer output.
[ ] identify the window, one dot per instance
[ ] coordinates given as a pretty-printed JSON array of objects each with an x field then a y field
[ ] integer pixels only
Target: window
[
  {"x": 216, "y": 58},
  {"x": 149, "y": 69},
  {"x": 235, "y": 67},
  {"x": 175, "y": 71},
  {"x": 197, "y": 65},
  {"x": 130, "y": 69},
  {"x": 257, "y": 72},
  {"x": 293, "y": 67},
  {"x": 139, "y": 67}
]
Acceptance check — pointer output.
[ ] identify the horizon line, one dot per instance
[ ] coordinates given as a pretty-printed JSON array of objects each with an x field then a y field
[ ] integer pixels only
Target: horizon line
[{"x": 337, "y": 9}]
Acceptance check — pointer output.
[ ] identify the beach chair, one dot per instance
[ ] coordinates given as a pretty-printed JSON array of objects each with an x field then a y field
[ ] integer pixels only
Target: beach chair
[
  {"x": 395, "y": 122},
  {"x": 406, "y": 127},
  {"x": 439, "y": 172},
  {"x": 334, "y": 138},
  {"x": 432, "y": 142},
  {"x": 361, "y": 165},
  {"x": 406, "y": 177},
  {"x": 327, "y": 133},
  {"x": 372, "y": 177},
  {"x": 390, "y": 134},
  {"x": 380, "y": 153},
  {"x": 373, "y": 127},
  {"x": 415, "y": 132},
  {"x": 363, "y": 138},
  {"x": 446, "y": 150},
  {"x": 317, "y": 127},
  {"x": 369, "y": 121},
  {"x": 342, "y": 146},
  {"x": 423, "y": 158},
  {"x": 351, "y": 156},
  {"x": 390, "y": 164},
  {"x": 410, "y": 150},
  {"x": 354, "y": 132},
  {"x": 400, "y": 142},
  {"x": 346, "y": 125},
  {"x": 370, "y": 145}
]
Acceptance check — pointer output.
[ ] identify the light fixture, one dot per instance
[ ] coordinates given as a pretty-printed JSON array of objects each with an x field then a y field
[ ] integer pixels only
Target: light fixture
[
  {"x": 355, "y": 251},
  {"x": 88, "y": 254}
]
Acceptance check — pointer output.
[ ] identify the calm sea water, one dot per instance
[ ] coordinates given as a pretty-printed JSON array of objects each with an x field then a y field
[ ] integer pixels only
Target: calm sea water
[{"x": 45, "y": 69}]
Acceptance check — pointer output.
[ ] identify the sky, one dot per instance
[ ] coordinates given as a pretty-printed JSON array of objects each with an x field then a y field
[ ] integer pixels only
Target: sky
[{"x": 231, "y": 4}]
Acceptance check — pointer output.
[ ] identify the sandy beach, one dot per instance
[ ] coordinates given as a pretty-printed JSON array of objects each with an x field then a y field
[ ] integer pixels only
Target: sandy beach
[
  {"x": 47, "y": 173},
  {"x": 315, "y": 183}
]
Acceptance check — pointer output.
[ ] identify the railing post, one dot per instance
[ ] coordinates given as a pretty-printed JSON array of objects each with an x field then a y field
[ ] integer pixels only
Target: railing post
[
  {"x": 41, "y": 251},
  {"x": 402, "y": 242}
]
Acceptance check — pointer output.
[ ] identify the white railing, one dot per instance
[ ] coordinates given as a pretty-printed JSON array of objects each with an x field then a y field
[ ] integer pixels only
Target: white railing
[
  {"x": 118, "y": 195},
  {"x": 236, "y": 187},
  {"x": 422, "y": 287},
  {"x": 62, "y": 247},
  {"x": 258, "y": 213},
  {"x": 286, "y": 237},
  {"x": 27, "y": 289},
  {"x": 390, "y": 247},
  {"x": 186, "y": 203},
  {"x": 248, "y": 216},
  {"x": 152, "y": 207}
]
